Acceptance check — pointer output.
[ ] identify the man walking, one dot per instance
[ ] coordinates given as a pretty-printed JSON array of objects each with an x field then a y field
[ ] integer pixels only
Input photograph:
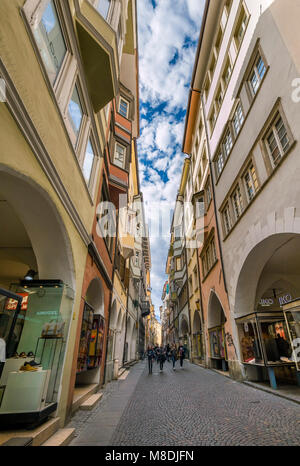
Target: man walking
[
  {"x": 150, "y": 355},
  {"x": 161, "y": 358}
]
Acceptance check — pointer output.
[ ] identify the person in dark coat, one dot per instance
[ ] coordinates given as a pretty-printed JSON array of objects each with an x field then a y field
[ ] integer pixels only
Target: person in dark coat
[
  {"x": 168, "y": 352},
  {"x": 174, "y": 355},
  {"x": 181, "y": 354},
  {"x": 161, "y": 359},
  {"x": 150, "y": 356}
]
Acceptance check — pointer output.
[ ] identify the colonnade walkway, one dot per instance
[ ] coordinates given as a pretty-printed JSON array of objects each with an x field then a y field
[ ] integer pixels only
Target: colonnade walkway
[{"x": 190, "y": 406}]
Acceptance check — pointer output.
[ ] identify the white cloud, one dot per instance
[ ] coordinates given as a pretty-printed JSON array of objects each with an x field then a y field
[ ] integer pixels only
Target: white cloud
[{"x": 167, "y": 43}]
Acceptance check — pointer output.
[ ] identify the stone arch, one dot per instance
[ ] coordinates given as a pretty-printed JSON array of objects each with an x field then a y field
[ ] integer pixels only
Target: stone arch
[
  {"x": 43, "y": 224},
  {"x": 95, "y": 296},
  {"x": 257, "y": 273},
  {"x": 196, "y": 323},
  {"x": 215, "y": 313},
  {"x": 113, "y": 316},
  {"x": 184, "y": 327}
]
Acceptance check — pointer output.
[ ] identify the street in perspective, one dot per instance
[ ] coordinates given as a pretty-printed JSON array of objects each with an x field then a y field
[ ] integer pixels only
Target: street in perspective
[{"x": 149, "y": 225}]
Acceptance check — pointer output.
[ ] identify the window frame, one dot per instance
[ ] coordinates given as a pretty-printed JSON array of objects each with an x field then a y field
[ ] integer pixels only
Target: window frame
[
  {"x": 227, "y": 221},
  {"x": 90, "y": 183},
  {"x": 254, "y": 70},
  {"x": 239, "y": 205},
  {"x": 249, "y": 172},
  {"x": 119, "y": 107},
  {"x": 273, "y": 130},
  {"x": 209, "y": 255},
  {"x": 241, "y": 121},
  {"x": 243, "y": 11},
  {"x": 125, "y": 154}
]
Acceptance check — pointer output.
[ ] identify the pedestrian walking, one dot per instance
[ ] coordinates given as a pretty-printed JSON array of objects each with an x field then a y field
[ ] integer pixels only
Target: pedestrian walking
[
  {"x": 174, "y": 355},
  {"x": 157, "y": 352},
  {"x": 168, "y": 352},
  {"x": 181, "y": 353},
  {"x": 150, "y": 355},
  {"x": 161, "y": 358}
]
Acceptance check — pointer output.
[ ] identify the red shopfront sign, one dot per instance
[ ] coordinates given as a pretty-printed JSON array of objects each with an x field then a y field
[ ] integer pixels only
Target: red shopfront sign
[{"x": 12, "y": 304}]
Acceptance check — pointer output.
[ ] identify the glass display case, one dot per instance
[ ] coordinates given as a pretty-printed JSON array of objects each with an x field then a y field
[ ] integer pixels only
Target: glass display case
[
  {"x": 249, "y": 341},
  {"x": 35, "y": 331},
  {"x": 292, "y": 319},
  {"x": 264, "y": 339}
]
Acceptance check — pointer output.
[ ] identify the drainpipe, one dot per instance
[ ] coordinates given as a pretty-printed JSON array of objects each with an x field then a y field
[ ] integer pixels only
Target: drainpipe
[{"x": 188, "y": 292}]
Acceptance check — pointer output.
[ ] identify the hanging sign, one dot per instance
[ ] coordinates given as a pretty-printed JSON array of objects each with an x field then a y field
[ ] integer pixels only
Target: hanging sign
[{"x": 12, "y": 304}]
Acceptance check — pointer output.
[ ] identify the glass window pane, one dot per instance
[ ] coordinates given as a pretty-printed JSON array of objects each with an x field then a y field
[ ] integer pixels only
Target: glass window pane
[
  {"x": 249, "y": 342},
  {"x": 274, "y": 149},
  {"x": 282, "y": 134},
  {"x": 119, "y": 158},
  {"x": 88, "y": 162},
  {"x": 75, "y": 112},
  {"x": 254, "y": 82},
  {"x": 50, "y": 41},
  {"x": 260, "y": 67},
  {"x": 123, "y": 108},
  {"x": 276, "y": 342},
  {"x": 103, "y": 7}
]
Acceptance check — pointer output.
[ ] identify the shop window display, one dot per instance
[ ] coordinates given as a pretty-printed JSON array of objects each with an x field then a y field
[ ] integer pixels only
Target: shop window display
[
  {"x": 217, "y": 343},
  {"x": 35, "y": 336},
  {"x": 292, "y": 317},
  {"x": 197, "y": 345},
  {"x": 276, "y": 342},
  {"x": 264, "y": 339},
  {"x": 250, "y": 345},
  {"x": 91, "y": 340}
]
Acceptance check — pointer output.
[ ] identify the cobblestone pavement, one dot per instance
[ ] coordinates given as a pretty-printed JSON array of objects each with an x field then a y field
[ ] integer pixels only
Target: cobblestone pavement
[{"x": 196, "y": 406}]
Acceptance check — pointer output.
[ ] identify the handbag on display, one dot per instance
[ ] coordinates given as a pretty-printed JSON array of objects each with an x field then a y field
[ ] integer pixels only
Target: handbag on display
[{"x": 53, "y": 329}]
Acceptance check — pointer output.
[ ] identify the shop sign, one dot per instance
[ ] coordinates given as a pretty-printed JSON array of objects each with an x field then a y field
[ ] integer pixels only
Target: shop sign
[
  {"x": 12, "y": 304},
  {"x": 281, "y": 301}
]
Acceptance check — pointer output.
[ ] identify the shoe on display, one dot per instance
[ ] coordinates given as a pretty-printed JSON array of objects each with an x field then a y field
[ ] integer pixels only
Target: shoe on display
[
  {"x": 33, "y": 363},
  {"x": 30, "y": 354},
  {"x": 16, "y": 356},
  {"x": 22, "y": 355},
  {"x": 28, "y": 368}
]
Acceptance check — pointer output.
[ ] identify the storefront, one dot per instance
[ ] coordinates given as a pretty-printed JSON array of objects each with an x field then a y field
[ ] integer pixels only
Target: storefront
[
  {"x": 34, "y": 331},
  {"x": 91, "y": 350},
  {"x": 266, "y": 346},
  {"x": 217, "y": 344}
]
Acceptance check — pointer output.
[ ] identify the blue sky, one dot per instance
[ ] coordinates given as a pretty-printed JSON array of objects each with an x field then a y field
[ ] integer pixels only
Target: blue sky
[{"x": 168, "y": 36}]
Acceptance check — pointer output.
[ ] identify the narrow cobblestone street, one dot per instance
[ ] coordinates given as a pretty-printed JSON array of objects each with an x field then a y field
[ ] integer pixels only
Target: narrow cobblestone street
[{"x": 190, "y": 406}]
